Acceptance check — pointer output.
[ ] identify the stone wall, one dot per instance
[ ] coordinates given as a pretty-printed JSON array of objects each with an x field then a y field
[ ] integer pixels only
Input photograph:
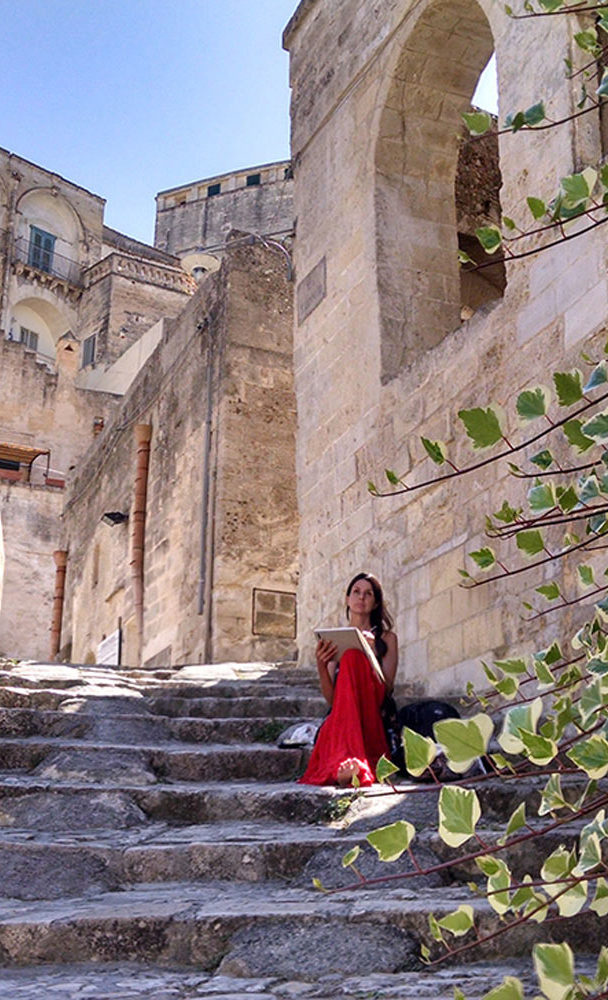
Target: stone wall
[
  {"x": 29, "y": 519},
  {"x": 381, "y": 356},
  {"x": 226, "y": 358}
]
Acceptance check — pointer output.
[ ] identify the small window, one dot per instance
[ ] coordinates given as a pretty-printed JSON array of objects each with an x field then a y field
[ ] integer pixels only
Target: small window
[
  {"x": 213, "y": 189},
  {"x": 253, "y": 180},
  {"x": 88, "y": 351},
  {"x": 41, "y": 249},
  {"x": 29, "y": 338}
]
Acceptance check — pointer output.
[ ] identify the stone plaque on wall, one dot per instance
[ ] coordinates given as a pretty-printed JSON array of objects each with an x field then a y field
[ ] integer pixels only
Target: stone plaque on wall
[
  {"x": 274, "y": 613},
  {"x": 311, "y": 290}
]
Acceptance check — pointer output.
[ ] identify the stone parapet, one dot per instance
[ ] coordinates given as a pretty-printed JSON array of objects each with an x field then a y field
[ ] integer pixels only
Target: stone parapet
[{"x": 137, "y": 269}]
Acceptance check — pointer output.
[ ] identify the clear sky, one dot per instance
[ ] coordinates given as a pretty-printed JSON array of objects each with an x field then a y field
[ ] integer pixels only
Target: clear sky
[{"x": 128, "y": 97}]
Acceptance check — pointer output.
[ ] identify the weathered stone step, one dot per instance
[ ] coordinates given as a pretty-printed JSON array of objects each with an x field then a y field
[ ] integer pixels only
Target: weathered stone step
[
  {"x": 39, "y": 865},
  {"x": 132, "y": 981},
  {"x": 311, "y": 706},
  {"x": 127, "y": 728},
  {"x": 83, "y": 806},
  {"x": 106, "y": 763},
  {"x": 215, "y": 922}
]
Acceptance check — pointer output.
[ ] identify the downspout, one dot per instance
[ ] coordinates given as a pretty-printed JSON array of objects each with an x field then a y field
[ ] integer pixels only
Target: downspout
[
  {"x": 204, "y": 605},
  {"x": 143, "y": 433},
  {"x": 60, "y": 557}
]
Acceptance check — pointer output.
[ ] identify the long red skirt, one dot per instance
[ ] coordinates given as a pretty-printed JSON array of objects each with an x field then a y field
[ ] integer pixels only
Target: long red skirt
[{"x": 353, "y": 728}]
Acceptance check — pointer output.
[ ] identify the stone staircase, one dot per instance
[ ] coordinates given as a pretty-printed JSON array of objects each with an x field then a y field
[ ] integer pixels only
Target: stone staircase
[{"x": 153, "y": 844}]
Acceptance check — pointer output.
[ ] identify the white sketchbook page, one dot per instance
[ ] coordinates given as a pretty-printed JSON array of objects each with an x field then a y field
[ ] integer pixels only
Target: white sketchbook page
[{"x": 350, "y": 637}]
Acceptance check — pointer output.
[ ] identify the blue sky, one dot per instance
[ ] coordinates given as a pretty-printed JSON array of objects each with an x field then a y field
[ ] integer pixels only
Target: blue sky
[{"x": 127, "y": 97}]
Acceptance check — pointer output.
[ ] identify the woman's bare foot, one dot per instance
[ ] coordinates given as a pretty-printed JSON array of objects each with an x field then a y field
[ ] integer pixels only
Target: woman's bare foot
[{"x": 348, "y": 770}]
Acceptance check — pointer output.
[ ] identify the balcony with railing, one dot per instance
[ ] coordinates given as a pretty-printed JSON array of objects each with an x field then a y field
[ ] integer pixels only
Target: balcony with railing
[{"x": 46, "y": 261}]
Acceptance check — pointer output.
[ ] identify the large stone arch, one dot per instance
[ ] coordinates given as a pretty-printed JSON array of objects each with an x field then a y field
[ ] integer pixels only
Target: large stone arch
[
  {"x": 48, "y": 209},
  {"x": 432, "y": 80},
  {"x": 42, "y": 316}
]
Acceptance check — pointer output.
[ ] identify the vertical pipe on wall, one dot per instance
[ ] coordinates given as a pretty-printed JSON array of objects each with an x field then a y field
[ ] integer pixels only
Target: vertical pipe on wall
[
  {"x": 143, "y": 433},
  {"x": 60, "y": 557}
]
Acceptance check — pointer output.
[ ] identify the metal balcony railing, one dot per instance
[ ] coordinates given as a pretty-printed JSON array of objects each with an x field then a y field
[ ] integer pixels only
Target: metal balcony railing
[{"x": 49, "y": 262}]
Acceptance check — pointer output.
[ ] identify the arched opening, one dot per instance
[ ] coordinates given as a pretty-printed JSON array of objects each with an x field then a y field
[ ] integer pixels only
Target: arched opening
[
  {"x": 416, "y": 159},
  {"x": 48, "y": 233},
  {"x": 37, "y": 325}
]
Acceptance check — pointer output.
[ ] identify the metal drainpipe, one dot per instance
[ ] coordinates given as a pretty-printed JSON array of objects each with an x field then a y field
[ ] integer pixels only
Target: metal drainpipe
[
  {"x": 143, "y": 433},
  {"x": 60, "y": 557},
  {"x": 203, "y": 605}
]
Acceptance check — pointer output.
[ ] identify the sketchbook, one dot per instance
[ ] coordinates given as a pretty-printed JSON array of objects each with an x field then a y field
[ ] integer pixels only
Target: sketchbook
[{"x": 350, "y": 637}]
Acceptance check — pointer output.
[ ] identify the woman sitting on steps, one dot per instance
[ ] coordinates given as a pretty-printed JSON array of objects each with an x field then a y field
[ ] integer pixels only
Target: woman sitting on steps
[{"x": 352, "y": 738}]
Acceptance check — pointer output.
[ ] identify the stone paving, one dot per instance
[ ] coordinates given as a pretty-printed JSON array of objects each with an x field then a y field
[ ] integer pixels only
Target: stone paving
[{"x": 154, "y": 844}]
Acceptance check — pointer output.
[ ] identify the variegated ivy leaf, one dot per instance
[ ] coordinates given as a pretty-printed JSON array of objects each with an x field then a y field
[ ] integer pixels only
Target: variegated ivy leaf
[
  {"x": 514, "y": 666},
  {"x": 519, "y": 717},
  {"x": 542, "y": 497},
  {"x": 391, "y": 841},
  {"x": 509, "y": 989},
  {"x": 592, "y": 699},
  {"x": 599, "y": 903},
  {"x": 420, "y": 751},
  {"x": 591, "y": 756},
  {"x": 552, "y": 797},
  {"x": 573, "y": 429},
  {"x": 590, "y": 845},
  {"x": 530, "y": 542},
  {"x": 459, "y": 812},
  {"x": 554, "y": 966},
  {"x": 351, "y": 856},
  {"x": 599, "y": 376},
  {"x": 384, "y": 769},
  {"x": 482, "y": 426},
  {"x": 436, "y": 450},
  {"x": 477, "y": 122},
  {"x": 597, "y": 426},
  {"x": 555, "y": 871},
  {"x": 464, "y": 740},
  {"x": 601, "y": 973},
  {"x": 533, "y": 403},
  {"x": 569, "y": 387},
  {"x": 586, "y": 576},
  {"x": 516, "y": 822},
  {"x": 544, "y": 676},
  {"x": 458, "y": 922},
  {"x": 540, "y": 750},
  {"x": 550, "y": 591},
  {"x": 484, "y": 558}
]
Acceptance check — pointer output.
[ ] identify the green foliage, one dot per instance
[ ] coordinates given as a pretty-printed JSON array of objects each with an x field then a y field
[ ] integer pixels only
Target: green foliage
[
  {"x": 482, "y": 426},
  {"x": 391, "y": 841}
]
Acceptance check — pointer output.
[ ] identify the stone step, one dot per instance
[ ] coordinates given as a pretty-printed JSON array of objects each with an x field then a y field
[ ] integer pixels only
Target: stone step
[
  {"x": 305, "y": 707},
  {"x": 129, "y": 728},
  {"x": 133, "y": 981},
  {"x": 107, "y": 763},
  {"x": 251, "y": 930},
  {"x": 81, "y": 806}
]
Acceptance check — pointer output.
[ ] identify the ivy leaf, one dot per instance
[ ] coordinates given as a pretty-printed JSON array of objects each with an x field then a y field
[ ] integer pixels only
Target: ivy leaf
[
  {"x": 540, "y": 750},
  {"x": 317, "y": 884},
  {"x": 552, "y": 654},
  {"x": 568, "y": 386},
  {"x": 550, "y": 5},
  {"x": 391, "y": 841},
  {"x": 544, "y": 676},
  {"x": 458, "y": 922},
  {"x": 372, "y": 488},
  {"x": 552, "y": 797},
  {"x": 559, "y": 866},
  {"x": 435, "y": 450},
  {"x": 507, "y": 514},
  {"x": 517, "y": 718},
  {"x": 509, "y": 989},
  {"x": 517, "y": 821},
  {"x": 602, "y": 90},
  {"x": 537, "y": 207},
  {"x": 599, "y": 376},
  {"x": 554, "y": 966},
  {"x": 567, "y": 499},
  {"x": 482, "y": 426},
  {"x": 573, "y": 429},
  {"x": 477, "y": 122},
  {"x": 511, "y": 666},
  {"x": 507, "y": 687},
  {"x": 550, "y": 591},
  {"x": 586, "y": 40},
  {"x": 590, "y": 489},
  {"x": 484, "y": 558},
  {"x": 599, "y": 903},
  {"x": 490, "y": 238},
  {"x": 591, "y": 756},
  {"x": 459, "y": 811},
  {"x": 463, "y": 258},
  {"x": 351, "y": 856},
  {"x": 533, "y": 403},
  {"x": 591, "y": 700},
  {"x": 577, "y": 188},
  {"x": 508, "y": 223},
  {"x": 464, "y": 740},
  {"x": 543, "y": 459},
  {"x": 530, "y": 542},
  {"x": 384, "y": 769},
  {"x": 586, "y": 575},
  {"x": 535, "y": 114},
  {"x": 542, "y": 497},
  {"x": 515, "y": 121},
  {"x": 420, "y": 751},
  {"x": 434, "y": 928},
  {"x": 597, "y": 427},
  {"x": 392, "y": 477}
]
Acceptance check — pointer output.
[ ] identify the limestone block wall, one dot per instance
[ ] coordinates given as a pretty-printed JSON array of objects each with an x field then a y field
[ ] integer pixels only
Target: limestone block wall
[
  {"x": 29, "y": 516},
  {"x": 381, "y": 355},
  {"x": 221, "y": 511}
]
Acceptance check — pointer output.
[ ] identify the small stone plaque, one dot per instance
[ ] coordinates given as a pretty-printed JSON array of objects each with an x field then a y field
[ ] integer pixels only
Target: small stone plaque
[
  {"x": 311, "y": 290},
  {"x": 274, "y": 613}
]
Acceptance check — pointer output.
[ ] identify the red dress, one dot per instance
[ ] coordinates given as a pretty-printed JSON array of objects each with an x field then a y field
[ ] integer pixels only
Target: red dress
[{"x": 353, "y": 728}]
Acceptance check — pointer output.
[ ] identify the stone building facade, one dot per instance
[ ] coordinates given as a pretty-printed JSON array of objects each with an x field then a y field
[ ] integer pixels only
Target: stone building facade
[
  {"x": 213, "y": 408},
  {"x": 75, "y": 297},
  {"x": 381, "y": 353},
  {"x": 193, "y": 221}
]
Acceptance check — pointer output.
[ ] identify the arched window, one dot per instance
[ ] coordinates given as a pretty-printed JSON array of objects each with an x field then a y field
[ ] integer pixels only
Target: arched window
[{"x": 416, "y": 158}]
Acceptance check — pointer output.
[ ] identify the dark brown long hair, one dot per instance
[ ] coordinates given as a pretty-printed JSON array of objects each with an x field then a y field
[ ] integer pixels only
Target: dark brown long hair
[{"x": 380, "y": 619}]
